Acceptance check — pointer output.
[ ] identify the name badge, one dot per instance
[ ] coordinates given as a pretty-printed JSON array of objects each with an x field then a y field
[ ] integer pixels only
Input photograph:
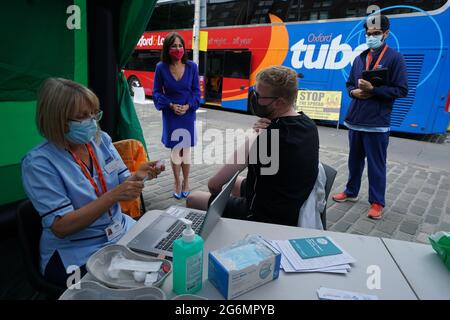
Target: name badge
[
  {"x": 113, "y": 231},
  {"x": 111, "y": 166}
]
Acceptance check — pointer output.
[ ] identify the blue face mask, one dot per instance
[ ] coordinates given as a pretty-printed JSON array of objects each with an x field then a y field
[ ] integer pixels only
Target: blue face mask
[
  {"x": 374, "y": 42},
  {"x": 81, "y": 132}
]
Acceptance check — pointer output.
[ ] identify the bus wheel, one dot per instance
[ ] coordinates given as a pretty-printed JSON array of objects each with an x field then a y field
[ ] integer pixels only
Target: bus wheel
[{"x": 133, "y": 82}]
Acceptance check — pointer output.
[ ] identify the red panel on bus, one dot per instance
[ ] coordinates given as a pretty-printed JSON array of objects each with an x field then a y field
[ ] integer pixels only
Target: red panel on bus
[
  {"x": 145, "y": 79},
  {"x": 447, "y": 105},
  {"x": 233, "y": 88},
  {"x": 255, "y": 39}
]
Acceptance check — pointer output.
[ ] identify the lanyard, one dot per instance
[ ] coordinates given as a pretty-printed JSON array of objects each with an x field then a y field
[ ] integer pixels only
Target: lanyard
[
  {"x": 88, "y": 175},
  {"x": 370, "y": 58}
]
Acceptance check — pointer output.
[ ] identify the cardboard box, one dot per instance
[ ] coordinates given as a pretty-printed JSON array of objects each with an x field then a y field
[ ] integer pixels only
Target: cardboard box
[{"x": 230, "y": 279}]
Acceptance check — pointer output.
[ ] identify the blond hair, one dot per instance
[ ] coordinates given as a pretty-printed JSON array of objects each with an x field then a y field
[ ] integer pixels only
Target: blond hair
[
  {"x": 282, "y": 80},
  {"x": 59, "y": 101}
]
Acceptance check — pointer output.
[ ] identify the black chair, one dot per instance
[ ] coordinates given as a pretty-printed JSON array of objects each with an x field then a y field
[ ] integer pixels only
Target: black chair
[
  {"x": 30, "y": 230},
  {"x": 331, "y": 175}
]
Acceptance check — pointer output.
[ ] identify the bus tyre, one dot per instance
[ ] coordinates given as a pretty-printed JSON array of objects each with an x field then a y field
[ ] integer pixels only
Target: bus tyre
[{"x": 133, "y": 82}]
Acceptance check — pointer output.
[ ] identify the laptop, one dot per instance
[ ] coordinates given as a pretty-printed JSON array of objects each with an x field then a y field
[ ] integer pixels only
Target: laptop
[{"x": 159, "y": 236}]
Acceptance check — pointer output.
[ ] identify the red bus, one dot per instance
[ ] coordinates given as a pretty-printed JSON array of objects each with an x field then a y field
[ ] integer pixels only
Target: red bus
[
  {"x": 319, "y": 39},
  {"x": 227, "y": 78}
]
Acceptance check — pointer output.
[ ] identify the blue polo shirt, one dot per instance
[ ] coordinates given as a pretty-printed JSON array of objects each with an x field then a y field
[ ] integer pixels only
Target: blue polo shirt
[{"x": 56, "y": 186}]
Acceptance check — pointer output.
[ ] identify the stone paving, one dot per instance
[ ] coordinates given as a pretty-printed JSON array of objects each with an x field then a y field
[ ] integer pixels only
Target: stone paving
[{"x": 418, "y": 197}]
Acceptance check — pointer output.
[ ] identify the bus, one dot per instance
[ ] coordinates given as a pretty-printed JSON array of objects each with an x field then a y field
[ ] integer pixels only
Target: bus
[{"x": 319, "y": 39}]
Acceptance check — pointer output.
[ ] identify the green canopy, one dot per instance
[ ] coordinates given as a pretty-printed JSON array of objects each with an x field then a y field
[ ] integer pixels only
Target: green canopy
[
  {"x": 134, "y": 17},
  {"x": 36, "y": 44}
]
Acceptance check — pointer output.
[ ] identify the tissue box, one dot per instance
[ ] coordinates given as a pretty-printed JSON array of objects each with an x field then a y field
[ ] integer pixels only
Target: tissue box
[{"x": 243, "y": 266}]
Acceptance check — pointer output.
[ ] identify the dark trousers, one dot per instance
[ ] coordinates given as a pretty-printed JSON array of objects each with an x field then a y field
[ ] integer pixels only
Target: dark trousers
[
  {"x": 56, "y": 273},
  {"x": 372, "y": 145}
]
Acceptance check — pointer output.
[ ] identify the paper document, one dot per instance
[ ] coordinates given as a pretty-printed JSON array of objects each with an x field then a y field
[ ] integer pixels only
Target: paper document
[
  {"x": 314, "y": 247},
  {"x": 333, "y": 294},
  {"x": 292, "y": 261}
]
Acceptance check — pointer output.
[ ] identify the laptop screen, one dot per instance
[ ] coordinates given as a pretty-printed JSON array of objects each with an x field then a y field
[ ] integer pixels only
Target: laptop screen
[{"x": 217, "y": 207}]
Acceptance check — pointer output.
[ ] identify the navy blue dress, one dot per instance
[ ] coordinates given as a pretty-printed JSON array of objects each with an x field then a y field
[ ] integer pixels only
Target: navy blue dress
[{"x": 177, "y": 131}]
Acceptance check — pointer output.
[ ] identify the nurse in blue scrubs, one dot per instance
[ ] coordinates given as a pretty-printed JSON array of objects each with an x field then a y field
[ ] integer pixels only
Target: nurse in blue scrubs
[{"x": 76, "y": 178}]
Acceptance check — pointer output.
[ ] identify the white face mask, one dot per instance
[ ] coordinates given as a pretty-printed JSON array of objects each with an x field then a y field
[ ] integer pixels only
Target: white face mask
[{"x": 374, "y": 42}]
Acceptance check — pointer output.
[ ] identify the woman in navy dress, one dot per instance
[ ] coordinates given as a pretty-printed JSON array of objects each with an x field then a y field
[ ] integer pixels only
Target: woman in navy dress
[{"x": 176, "y": 92}]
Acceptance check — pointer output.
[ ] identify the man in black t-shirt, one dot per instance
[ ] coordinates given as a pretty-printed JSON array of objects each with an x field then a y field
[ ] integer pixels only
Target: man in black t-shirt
[{"x": 272, "y": 192}]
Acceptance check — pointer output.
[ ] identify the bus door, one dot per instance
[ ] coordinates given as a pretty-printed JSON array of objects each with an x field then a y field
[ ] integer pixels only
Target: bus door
[
  {"x": 201, "y": 74},
  {"x": 236, "y": 79},
  {"x": 213, "y": 77}
]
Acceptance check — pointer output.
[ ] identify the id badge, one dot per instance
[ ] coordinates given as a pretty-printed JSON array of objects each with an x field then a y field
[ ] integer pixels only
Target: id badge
[
  {"x": 113, "y": 231},
  {"x": 111, "y": 166}
]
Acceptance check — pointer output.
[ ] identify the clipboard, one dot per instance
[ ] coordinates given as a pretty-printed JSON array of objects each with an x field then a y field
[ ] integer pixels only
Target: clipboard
[{"x": 378, "y": 77}]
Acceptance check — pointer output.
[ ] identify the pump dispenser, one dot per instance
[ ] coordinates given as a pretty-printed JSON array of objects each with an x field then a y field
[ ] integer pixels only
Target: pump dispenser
[{"x": 187, "y": 261}]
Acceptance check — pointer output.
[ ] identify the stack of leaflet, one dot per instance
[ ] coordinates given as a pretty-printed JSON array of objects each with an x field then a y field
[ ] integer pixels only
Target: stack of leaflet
[{"x": 319, "y": 254}]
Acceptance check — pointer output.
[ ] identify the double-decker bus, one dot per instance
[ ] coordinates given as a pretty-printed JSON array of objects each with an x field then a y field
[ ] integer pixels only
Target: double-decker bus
[{"x": 319, "y": 39}]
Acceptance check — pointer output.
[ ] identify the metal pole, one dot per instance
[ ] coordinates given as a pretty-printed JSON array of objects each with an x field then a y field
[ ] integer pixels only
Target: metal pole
[{"x": 195, "y": 31}]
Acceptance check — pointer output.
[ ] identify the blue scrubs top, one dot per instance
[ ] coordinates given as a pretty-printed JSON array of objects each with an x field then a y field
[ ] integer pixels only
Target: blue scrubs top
[{"x": 56, "y": 185}]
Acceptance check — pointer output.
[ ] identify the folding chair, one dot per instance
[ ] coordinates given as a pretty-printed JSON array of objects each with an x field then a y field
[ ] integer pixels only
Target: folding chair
[
  {"x": 331, "y": 175},
  {"x": 29, "y": 230},
  {"x": 133, "y": 155}
]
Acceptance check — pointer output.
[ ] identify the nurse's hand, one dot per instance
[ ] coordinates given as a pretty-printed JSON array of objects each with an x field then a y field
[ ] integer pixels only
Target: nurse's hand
[
  {"x": 149, "y": 170},
  {"x": 127, "y": 190}
]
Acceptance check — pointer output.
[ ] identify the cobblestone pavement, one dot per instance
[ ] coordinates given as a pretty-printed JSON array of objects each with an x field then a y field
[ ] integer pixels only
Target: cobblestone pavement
[{"x": 418, "y": 196}]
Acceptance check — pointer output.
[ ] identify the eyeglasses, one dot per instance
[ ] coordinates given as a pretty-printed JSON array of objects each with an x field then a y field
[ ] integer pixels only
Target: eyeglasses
[
  {"x": 374, "y": 33},
  {"x": 97, "y": 117},
  {"x": 257, "y": 96}
]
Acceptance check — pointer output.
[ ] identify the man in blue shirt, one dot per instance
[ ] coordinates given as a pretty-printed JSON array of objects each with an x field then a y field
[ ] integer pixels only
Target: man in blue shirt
[{"x": 369, "y": 116}]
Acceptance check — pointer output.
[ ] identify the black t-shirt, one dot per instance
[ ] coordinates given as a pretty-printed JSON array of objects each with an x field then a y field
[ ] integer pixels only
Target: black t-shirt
[{"x": 277, "y": 198}]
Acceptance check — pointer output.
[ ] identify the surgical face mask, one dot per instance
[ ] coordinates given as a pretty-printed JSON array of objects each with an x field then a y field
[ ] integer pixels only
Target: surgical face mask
[
  {"x": 81, "y": 132},
  {"x": 259, "y": 110},
  {"x": 245, "y": 255},
  {"x": 177, "y": 54},
  {"x": 374, "y": 42}
]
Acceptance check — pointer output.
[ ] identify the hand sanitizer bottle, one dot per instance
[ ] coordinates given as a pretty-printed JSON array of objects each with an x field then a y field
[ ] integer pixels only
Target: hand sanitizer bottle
[{"x": 187, "y": 261}]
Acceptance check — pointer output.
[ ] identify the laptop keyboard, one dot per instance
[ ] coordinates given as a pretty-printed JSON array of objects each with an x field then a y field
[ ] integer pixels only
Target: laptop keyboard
[{"x": 177, "y": 228}]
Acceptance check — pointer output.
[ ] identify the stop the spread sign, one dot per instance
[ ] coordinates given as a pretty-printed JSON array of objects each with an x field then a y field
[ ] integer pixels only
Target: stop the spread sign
[{"x": 320, "y": 105}]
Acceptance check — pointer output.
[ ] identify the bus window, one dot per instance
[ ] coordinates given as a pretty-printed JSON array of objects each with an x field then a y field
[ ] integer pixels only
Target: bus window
[
  {"x": 181, "y": 15},
  {"x": 280, "y": 9},
  {"x": 261, "y": 9},
  {"x": 143, "y": 60},
  {"x": 226, "y": 13},
  {"x": 237, "y": 64},
  {"x": 332, "y": 9},
  {"x": 236, "y": 81},
  {"x": 294, "y": 11},
  {"x": 427, "y": 5},
  {"x": 167, "y": 16},
  {"x": 213, "y": 77},
  {"x": 201, "y": 63},
  {"x": 160, "y": 18},
  {"x": 340, "y": 9}
]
